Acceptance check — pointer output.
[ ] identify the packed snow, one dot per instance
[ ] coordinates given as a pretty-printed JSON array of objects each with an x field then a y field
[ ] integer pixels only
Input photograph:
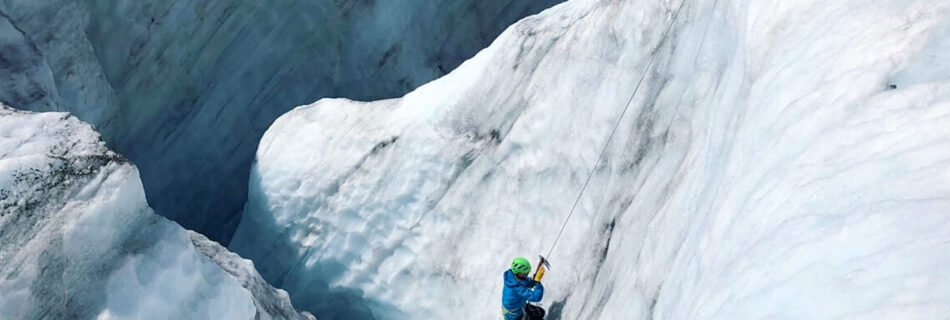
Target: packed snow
[
  {"x": 781, "y": 159},
  {"x": 186, "y": 88},
  {"x": 78, "y": 241}
]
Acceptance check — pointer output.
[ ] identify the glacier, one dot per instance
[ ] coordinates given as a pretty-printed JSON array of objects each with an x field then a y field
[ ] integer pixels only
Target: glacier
[
  {"x": 78, "y": 240},
  {"x": 780, "y": 159},
  {"x": 186, "y": 88}
]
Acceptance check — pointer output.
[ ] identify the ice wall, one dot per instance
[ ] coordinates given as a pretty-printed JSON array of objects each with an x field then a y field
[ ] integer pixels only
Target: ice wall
[
  {"x": 78, "y": 241},
  {"x": 781, "y": 159},
  {"x": 186, "y": 88}
]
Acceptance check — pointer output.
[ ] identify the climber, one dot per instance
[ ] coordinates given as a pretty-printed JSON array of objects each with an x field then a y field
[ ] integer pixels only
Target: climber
[{"x": 519, "y": 290}]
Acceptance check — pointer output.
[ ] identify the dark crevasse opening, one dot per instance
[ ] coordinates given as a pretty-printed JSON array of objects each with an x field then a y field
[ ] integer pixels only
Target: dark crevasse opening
[{"x": 185, "y": 89}]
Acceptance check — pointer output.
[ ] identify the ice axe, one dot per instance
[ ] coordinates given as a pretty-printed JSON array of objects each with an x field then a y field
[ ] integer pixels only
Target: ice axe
[{"x": 542, "y": 265}]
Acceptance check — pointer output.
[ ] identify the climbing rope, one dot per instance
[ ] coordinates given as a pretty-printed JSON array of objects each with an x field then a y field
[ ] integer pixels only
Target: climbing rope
[{"x": 617, "y": 125}]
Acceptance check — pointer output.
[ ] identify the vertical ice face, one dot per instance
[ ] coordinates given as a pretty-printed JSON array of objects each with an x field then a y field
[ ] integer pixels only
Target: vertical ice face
[
  {"x": 186, "y": 88},
  {"x": 766, "y": 168},
  {"x": 78, "y": 241}
]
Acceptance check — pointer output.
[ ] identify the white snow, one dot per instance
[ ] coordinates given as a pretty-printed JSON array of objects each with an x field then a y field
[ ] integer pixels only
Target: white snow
[
  {"x": 78, "y": 240},
  {"x": 764, "y": 170}
]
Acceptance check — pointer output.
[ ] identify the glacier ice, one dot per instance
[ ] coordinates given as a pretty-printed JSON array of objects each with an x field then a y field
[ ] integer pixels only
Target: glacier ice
[
  {"x": 274, "y": 303},
  {"x": 186, "y": 88},
  {"x": 766, "y": 169},
  {"x": 78, "y": 241}
]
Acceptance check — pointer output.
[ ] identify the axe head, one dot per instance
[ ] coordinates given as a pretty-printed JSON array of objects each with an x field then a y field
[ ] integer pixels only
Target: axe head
[{"x": 544, "y": 262}]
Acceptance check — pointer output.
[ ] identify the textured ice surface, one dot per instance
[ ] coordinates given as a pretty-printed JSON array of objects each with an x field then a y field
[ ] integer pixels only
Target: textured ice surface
[
  {"x": 274, "y": 302},
  {"x": 765, "y": 169},
  {"x": 78, "y": 241},
  {"x": 186, "y": 88}
]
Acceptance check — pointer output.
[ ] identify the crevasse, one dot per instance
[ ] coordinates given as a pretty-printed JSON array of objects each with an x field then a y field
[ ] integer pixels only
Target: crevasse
[
  {"x": 78, "y": 240},
  {"x": 185, "y": 89}
]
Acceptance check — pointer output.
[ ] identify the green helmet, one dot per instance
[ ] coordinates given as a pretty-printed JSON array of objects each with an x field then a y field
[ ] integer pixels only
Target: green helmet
[{"x": 520, "y": 265}]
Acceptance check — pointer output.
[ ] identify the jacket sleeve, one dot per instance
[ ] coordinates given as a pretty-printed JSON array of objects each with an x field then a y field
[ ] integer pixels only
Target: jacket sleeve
[
  {"x": 531, "y": 283},
  {"x": 534, "y": 294}
]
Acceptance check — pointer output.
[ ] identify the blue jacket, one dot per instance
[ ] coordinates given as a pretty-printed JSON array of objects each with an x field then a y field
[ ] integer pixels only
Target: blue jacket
[{"x": 517, "y": 293}]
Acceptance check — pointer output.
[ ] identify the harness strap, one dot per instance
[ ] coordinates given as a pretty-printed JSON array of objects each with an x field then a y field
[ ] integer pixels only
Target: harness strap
[{"x": 506, "y": 311}]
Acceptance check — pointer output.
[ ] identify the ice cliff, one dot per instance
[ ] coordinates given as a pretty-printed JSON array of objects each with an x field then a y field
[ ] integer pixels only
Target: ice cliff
[
  {"x": 781, "y": 159},
  {"x": 78, "y": 241},
  {"x": 186, "y": 88}
]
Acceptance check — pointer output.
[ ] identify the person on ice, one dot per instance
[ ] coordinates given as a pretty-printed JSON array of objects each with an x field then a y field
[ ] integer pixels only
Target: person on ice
[{"x": 519, "y": 290}]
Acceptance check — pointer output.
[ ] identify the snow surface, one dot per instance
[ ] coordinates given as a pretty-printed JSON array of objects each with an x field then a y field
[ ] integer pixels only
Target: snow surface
[
  {"x": 765, "y": 169},
  {"x": 78, "y": 241},
  {"x": 186, "y": 88}
]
